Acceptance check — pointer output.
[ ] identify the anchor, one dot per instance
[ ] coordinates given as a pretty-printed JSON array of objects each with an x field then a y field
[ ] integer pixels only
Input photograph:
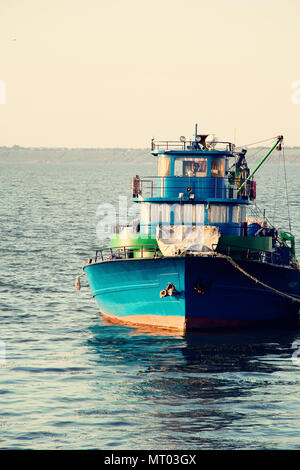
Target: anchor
[{"x": 169, "y": 290}]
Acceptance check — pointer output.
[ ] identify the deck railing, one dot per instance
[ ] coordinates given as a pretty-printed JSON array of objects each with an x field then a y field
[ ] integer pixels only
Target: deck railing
[
  {"x": 153, "y": 251},
  {"x": 127, "y": 252},
  {"x": 254, "y": 254},
  {"x": 187, "y": 145},
  {"x": 155, "y": 186}
]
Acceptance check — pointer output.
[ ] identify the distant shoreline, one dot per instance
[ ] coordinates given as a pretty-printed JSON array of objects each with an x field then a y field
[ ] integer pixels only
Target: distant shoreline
[{"x": 18, "y": 154}]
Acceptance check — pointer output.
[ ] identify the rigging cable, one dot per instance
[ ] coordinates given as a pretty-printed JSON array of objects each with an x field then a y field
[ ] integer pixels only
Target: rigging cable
[
  {"x": 276, "y": 190},
  {"x": 286, "y": 190},
  {"x": 256, "y": 211},
  {"x": 259, "y": 142}
]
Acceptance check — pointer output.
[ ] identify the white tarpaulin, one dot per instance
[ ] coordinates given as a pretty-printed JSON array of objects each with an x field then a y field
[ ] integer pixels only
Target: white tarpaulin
[{"x": 172, "y": 239}]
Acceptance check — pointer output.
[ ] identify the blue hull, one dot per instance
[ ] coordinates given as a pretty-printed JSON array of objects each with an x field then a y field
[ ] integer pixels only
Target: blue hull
[{"x": 209, "y": 292}]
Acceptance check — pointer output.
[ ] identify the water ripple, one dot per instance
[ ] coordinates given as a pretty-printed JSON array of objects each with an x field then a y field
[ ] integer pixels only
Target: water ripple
[{"x": 69, "y": 381}]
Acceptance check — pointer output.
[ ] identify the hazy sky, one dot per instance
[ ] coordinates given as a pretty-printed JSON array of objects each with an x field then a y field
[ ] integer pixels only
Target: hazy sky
[{"x": 114, "y": 73}]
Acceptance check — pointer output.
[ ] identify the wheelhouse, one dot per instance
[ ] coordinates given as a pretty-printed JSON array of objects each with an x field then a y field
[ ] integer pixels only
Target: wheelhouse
[{"x": 194, "y": 186}]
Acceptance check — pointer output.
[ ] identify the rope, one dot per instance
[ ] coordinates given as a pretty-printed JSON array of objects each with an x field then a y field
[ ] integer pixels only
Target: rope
[
  {"x": 255, "y": 153},
  {"x": 276, "y": 190},
  {"x": 228, "y": 258},
  {"x": 286, "y": 191},
  {"x": 255, "y": 143}
]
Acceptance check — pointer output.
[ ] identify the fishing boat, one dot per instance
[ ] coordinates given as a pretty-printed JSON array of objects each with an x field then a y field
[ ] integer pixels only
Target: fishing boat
[{"x": 196, "y": 259}]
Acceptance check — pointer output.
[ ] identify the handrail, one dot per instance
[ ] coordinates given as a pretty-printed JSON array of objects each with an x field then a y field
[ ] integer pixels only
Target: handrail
[
  {"x": 189, "y": 145},
  {"x": 143, "y": 251},
  {"x": 126, "y": 252},
  {"x": 231, "y": 181},
  {"x": 248, "y": 253},
  {"x": 151, "y": 186}
]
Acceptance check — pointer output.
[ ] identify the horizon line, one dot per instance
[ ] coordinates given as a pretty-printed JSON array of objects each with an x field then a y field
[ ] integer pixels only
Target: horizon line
[{"x": 17, "y": 146}]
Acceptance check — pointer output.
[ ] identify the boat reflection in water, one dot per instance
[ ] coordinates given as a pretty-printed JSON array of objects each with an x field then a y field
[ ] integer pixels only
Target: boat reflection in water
[
  {"x": 263, "y": 350},
  {"x": 215, "y": 390},
  {"x": 211, "y": 350}
]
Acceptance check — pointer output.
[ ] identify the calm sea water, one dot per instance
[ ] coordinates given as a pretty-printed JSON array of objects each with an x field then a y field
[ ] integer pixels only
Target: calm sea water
[{"x": 71, "y": 382}]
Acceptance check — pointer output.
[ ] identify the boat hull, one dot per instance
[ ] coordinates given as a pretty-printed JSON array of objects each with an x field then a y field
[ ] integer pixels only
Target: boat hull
[{"x": 209, "y": 292}]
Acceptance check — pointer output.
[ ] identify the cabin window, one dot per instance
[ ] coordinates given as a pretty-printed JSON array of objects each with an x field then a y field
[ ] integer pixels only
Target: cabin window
[
  {"x": 218, "y": 214},
  {"x": 192, "y": 167},
  {"x": 199, "y": 214},
  {"x": 238, "y": 214},
  {"x": 164, "y": 164},
  {"x": 145, "y": 213},
  {"x": 178, "y": 213},
  {"x": 145, "y": 216},
  {"x": 165, "y": 213},
  {"x": 188, "y": 214},
  {"x": 183, "y": 213},
  {"x": 155, "y": 213},
  {"x": 160, "y": 213},
  {"x": 217, "y": 167}
]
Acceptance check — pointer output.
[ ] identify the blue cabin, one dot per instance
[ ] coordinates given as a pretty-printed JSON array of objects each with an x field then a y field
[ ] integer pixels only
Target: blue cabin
[{"x": 197, "y": 184}]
